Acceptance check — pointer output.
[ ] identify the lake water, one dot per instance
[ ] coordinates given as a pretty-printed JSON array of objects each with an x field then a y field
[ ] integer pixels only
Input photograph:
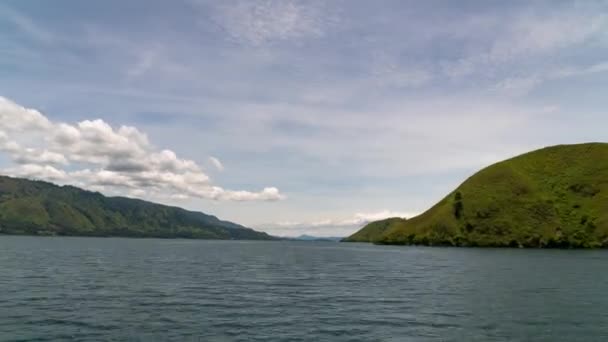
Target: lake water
[{"x": 148, "y": 289}]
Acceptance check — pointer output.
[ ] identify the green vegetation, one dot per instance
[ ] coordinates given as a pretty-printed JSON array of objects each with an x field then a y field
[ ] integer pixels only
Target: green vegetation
[
  {"x": 374, "y": 229},
  {"x": 554, "y": 197},
  {"x": 40, "y": 208}
]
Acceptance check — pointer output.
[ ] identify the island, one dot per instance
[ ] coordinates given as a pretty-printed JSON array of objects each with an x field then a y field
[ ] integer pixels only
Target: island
[{"x": 555, "y": 197}]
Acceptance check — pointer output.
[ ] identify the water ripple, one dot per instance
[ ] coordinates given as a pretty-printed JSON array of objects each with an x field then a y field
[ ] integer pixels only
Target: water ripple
[{"x": 180, "y": 290}]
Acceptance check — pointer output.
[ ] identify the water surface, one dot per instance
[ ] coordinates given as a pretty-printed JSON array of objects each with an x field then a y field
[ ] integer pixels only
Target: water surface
[{"x": 90, "y": 289}]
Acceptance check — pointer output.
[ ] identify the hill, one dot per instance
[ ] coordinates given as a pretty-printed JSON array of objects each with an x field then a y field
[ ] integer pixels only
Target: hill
[
  {"x": 553, "y": 197},
  {"x": 40, "y": 208},
  {"x": 373, "y": 230}
]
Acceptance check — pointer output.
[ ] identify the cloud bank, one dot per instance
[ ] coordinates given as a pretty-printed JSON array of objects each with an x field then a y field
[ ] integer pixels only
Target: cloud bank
[
  {"x": 331, "y": 227},
  {"x": 94, "y": 155}
]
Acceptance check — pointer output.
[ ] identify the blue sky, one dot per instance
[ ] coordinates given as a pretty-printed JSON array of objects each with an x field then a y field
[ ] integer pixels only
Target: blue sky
[{"x": 293, "y": 116}]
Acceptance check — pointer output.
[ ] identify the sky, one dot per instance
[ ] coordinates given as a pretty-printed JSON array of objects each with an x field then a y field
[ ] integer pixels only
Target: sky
[{"x": 293, "y": 117}]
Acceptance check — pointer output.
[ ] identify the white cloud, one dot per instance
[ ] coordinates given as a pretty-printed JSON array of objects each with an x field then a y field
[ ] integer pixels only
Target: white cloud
[
  {"x": 145, "y": 61},
  {"x": 357, "y": 219},
  {"x": 260, "y": 22},
  {"x": 17, "y": 119},
  {"x": 216, "y": 163},
  {"x": 386, "y": 71},
  {"x": 392, "y": 75},
  {"x": 534, "y": 34},
  {"x": 331, "y": 226},
  {"x": 528, "y": 36},
  {"x": 28, "y": 26},
  {"x": 98, "y": 156},
  {"x": 34, "y": 156},
  {"x": 267, "y": 194},
  {"x": 516, "y": 86},
  {"x": 34, "y": 171},
  {"x": 364, "y": 218},
  {"x": 565, "y": 72}
]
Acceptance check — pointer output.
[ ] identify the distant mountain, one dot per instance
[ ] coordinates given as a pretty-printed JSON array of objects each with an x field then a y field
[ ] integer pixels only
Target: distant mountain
[
  {"x": 40, "y": 208},
  {"x": 305, "y": 237},
  {"x": 553, "y": 197}
]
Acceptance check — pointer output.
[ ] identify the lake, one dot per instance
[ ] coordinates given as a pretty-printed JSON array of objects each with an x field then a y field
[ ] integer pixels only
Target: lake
[{"x": 86, "y": 289}]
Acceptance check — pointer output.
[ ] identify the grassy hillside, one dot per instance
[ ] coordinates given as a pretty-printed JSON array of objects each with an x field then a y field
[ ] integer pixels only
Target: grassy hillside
[
  {"x": 374, "y": 229},
  {"x": 40, "y": 208},
  {"x": 553, "y": 197}
]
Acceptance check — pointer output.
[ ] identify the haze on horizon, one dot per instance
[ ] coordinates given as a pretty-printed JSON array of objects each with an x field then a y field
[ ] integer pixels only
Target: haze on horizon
[{"x": 293, "y": 117}]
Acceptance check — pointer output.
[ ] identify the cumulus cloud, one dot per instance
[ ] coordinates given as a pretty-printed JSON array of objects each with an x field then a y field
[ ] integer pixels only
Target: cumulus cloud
[
  {"x": 35, "y": 171},
  {"x": 95, "y": 155}
]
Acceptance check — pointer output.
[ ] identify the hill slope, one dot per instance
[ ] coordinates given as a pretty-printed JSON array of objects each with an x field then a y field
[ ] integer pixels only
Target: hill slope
[
  {"x": 40, "y": 208},
  {"x": 553, "y": 197},
  {"x": 375, "y": 229}
]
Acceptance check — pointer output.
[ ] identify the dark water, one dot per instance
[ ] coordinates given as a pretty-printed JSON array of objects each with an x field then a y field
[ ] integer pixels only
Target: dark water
[{"x": 128, "y": 289}]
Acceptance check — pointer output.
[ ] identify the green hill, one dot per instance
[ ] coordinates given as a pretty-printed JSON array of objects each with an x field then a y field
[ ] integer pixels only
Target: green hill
[
  {"x": 553, "y": 197},
  {"x": 39, "y": 208},
  {"x": 374, "y": 229}
]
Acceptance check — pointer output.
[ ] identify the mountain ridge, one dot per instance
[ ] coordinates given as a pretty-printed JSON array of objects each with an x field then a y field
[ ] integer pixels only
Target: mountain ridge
[{"x": 34, "y": 207}]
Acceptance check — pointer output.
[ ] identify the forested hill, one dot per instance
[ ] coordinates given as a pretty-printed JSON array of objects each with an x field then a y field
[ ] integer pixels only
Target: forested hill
[
  {"x": 40, "y": 208},
  {"x": 553, "y": 197}
]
